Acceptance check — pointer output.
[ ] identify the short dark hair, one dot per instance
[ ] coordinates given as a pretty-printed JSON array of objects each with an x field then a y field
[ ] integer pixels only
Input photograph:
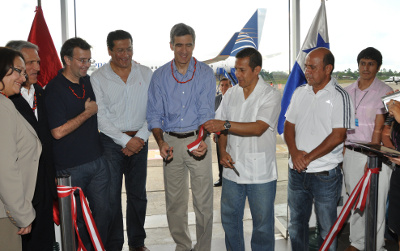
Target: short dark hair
[
  {"x": 253, "y": 54},
  {"x": 117, "y": 35},
  {"x": 18, "y": 45},
  {"x": 329, "y": 59},
  {"x": 7, "y": 57},
  {"x": 226, "y": 79},
  {"x": 181, "y": 29},
  {"x": 68, "y": 47},
  {"x": 370, "y": 53}
]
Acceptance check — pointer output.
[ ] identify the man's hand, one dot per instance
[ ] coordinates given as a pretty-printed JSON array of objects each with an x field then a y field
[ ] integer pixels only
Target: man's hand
[
  {"x": 395, "y": 160},
  {"x": 165, "y": 151},
  {"x": 25, "y": 230},
  {"x": 201, "y": 150},
  {"x": 299, "y": 160},
  {"x": 226, "y": 160},
  {"x": 90, "y": 107},
  {"x": 214, "y": 125},
  {"x": 127, "y": 152},
  {"x": 135, "y": 144}
]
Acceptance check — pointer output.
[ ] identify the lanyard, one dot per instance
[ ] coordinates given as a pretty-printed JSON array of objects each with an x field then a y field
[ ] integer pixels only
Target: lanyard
[{"x": 355, "y": 99}]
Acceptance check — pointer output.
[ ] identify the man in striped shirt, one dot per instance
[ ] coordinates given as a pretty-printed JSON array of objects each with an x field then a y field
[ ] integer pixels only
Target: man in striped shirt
[
  {"x": 318, "y": 117},
  {"x": 121, "y": 88}
]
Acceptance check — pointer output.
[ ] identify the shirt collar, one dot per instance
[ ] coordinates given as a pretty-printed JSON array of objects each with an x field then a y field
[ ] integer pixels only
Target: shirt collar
[
  {"x": 190, "y": 67},
  {"x": 24, "y": 91},
  {"x": 330, "y": 87}
]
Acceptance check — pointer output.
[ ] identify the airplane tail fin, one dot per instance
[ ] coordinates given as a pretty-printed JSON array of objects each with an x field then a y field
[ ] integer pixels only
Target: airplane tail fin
[
  {"x": 225, "y": 52},
  {"x": 249, "y": 36}
]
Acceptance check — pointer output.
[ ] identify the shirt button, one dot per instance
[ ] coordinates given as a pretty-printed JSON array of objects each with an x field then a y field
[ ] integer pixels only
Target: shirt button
[
  {"x": 183, "y": 92},
  {"x": 181, "y": 119},
  {"x": 183, "y": 106}
]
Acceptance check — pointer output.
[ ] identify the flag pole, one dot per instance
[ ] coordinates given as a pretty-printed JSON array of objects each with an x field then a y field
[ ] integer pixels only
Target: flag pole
[{"x": 39, "y": 3}]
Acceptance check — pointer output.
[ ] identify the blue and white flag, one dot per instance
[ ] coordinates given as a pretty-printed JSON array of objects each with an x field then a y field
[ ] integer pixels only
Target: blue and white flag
[{"x": 317, "y": 37}]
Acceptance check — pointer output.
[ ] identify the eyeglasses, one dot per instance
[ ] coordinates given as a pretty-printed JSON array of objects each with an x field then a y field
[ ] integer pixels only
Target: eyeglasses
[
  {"x": 20, "y": 73},
  {"x": 85, "y": 61},
  {"x": 121, "y": 51}
]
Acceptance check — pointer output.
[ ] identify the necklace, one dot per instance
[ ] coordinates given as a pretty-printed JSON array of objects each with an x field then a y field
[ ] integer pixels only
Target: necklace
[
  {"x": 34, "y": 102},
  {"x": 83, "y": 95},
  {"x": 4, "y": 94},
  {"x": 172, "y": 70}
]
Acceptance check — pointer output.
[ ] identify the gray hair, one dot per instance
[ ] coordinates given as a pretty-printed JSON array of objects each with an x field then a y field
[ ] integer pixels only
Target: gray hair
[
  {"x": 181, "y": 29},
  {"x": 18, "y": 45}
]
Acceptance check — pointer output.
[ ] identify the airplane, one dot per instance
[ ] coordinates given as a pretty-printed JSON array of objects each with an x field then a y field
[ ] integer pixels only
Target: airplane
[{"x": 249, "y": 36}]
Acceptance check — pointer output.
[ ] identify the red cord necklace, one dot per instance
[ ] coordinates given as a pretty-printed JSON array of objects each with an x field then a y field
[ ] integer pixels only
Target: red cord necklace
[
  {"x": 4, "y": 94},
  {"x": 34, "y": 102},
  {"x": 172, "y": 70},
  {"x": 83, "y": 87}
]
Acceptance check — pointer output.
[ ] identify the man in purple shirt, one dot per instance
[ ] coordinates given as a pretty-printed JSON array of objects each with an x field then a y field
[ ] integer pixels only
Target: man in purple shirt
[
  {"x": 366, "y": 95},
  {"x": 181, "y": 99}
]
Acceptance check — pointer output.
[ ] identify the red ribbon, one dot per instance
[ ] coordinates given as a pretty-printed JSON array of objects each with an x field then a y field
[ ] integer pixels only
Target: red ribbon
[
  {"x": 361, "y": 189},
  {"x": 195, "y": 144},
  {"x": 64, "y": 191}
]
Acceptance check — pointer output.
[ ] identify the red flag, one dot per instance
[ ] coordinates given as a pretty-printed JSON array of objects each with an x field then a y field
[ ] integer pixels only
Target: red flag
[{"x": 49, "y": 62}]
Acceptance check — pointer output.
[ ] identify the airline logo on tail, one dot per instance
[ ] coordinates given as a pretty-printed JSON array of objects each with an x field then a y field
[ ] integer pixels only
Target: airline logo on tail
[{"x": 249, "y": 36}]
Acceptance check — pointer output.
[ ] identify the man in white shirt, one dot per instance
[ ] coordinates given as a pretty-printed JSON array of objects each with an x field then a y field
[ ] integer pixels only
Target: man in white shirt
[
  {"x": 249, "y": 114},
  {"x": 317, "y": 119},
  {"x": 121, "y": 89}
]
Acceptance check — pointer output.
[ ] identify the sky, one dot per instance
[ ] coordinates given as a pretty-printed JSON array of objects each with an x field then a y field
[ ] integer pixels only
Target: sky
[{"x": 352, "y": 26}]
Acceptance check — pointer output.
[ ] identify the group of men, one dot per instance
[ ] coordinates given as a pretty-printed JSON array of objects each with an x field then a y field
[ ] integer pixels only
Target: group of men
[{"x": 96, "y": 130}]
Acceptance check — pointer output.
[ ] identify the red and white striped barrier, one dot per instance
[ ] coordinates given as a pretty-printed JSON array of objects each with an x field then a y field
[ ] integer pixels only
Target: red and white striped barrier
[
  {"x": 64, "y": 191},
  {"x": 361, "y": 189}
]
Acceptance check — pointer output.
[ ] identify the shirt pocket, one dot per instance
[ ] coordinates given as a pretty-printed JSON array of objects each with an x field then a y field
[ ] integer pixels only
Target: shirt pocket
[{"x": 255, "y": 166}]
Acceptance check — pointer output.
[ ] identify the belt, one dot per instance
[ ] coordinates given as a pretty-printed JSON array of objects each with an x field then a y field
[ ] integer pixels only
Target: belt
[
  {"x": 354, "y": 148},
  {"x": 131, "y": 133},
  {"x": 183, "y": 135},
  {"x": 323, "y": 173}
]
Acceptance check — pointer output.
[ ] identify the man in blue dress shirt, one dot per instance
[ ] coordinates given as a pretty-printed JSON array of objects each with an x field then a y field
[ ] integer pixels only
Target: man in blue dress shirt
[{"x": 181, "y": 99}]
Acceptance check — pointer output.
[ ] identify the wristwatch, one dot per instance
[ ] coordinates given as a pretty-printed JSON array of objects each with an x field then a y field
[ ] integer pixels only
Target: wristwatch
[{"x": 227, "y": 125}]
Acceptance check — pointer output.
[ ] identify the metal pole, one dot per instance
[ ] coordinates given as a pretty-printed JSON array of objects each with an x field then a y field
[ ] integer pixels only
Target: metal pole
[
  {"x": 374, "y": 161},
  {"x": 64, "y": 20},
  {"x": 66, "y": 223}
]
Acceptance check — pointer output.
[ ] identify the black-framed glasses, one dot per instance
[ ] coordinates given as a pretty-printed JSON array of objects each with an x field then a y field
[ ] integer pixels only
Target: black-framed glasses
[
  {"x": 19, "y": 71},
  {"x": 85, "y": 61}
]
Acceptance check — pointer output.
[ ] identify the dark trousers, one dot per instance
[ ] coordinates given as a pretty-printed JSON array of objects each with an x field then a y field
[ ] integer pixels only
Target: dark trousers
[
  {"x": 220, "y": 167},
  {"x": 42, "y": 234},
  {"x": 135, "y": 170}
]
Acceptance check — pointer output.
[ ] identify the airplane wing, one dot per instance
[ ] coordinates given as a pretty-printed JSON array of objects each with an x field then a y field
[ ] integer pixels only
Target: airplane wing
[{"x": 226, "y": 51}]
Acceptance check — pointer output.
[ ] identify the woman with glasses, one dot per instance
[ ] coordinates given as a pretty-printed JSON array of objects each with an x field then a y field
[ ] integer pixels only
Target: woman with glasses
[{"x": 20, "y": 149}]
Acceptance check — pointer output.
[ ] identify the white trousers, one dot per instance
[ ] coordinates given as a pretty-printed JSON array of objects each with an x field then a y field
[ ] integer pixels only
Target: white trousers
[{"x": 353, "y": 170}]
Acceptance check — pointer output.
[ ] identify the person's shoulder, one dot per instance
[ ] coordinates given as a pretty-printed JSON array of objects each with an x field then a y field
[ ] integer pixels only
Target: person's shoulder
[
  {"x": 100, "y": 71},
  {"x": 6, "y": 104},
  {"x": 204, "y": 67},
  {"x": 161, "y": 70},
  {"x": 351, "y": 86},
  {"x": 382, "y": 86}
]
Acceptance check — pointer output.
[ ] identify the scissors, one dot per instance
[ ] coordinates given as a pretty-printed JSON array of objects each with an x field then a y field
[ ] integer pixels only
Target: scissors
[
  {"x": 168, "y": 154},
  {"x": 234, "y": 169}
]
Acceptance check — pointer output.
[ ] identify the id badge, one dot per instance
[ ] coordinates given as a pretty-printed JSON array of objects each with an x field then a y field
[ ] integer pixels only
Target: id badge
[{"x": 357, "y": 122}]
